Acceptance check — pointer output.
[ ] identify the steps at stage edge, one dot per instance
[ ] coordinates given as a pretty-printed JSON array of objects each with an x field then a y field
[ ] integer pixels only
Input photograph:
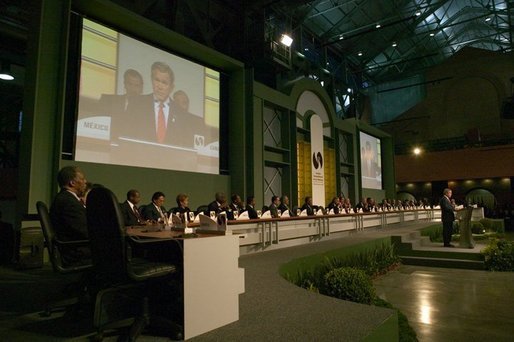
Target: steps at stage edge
[
  {"x": 414, "y": 249},
  {"x": 441, "y": 262}
]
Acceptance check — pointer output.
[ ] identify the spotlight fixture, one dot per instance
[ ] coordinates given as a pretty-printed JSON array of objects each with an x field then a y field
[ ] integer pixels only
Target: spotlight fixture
[
  {"x": 488, "y": 19},
  {"x": 394, "y": 44},
  {"x": 377, "y": 26},
  {"x": 418, "y": 13},
  {"x": 286, "y": 40},
  {"x": 5, "y": 72},
  {"x": 349, "y": 90},
  {"x": 416, "y": 151},
  {"x": 432, "y": 34},
  {"x": 341, "y": 37},
  {"x": 359, "y": 54}
]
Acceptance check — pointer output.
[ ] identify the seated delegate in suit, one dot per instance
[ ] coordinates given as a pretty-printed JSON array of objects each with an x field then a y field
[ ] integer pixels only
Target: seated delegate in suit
[
  {"x": 307, "y": 205},
  {"x": 334, "y": 205},
  {"x": 362, "y": 205},
  {"x": 219, "y": 204},
  {"x": 284, "y": 205},
  {"x": 68, "y": 214},
  {"x": 155, "y": 210},
  {"x": 130, "y": 211},
  {"x": 273, "y": 207},
  {"x": 157, "y": 118},
  {"x": 250, "y": 207},
  {"x": 236, "y": 204}
]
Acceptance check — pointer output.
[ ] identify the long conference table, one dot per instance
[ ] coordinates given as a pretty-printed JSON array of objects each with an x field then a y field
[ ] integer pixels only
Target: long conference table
[
  {"x": 272, "y": 233},
  {"x": 212, "y": 279}
]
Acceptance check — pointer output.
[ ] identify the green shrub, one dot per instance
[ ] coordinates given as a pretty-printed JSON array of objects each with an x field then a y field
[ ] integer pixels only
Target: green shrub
[
  {"x": 321, "y": 273},
  {"x": 499, "y": 255},
  {"x": 435, "y": 233},
  {"x": 406, "y": 333},
  {"x": 456, "y": 227},
  {"x": 349, "y": 284},
  {"x": 494, "y": 225},
  {"x": 477, "y": 227}
]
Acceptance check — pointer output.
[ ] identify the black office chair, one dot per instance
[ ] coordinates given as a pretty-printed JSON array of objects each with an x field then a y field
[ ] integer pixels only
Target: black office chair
[
  {"x": 55, "y": 250},
  {"x": 202, "y": 209},
  {"x": 117, "y": 274}
]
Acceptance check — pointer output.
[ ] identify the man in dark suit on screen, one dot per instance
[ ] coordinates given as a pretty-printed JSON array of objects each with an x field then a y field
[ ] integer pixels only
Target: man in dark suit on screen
[
  {"x": 158, "y": 119},
  {"x": 116, "y": 106},
  {"x": 447, "y": 216}
]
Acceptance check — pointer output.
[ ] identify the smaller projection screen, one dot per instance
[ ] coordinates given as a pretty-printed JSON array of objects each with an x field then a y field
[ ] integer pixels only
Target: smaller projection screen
[
  {"x": 371, "y": 162},
  {"x": 142, "y": 106}
]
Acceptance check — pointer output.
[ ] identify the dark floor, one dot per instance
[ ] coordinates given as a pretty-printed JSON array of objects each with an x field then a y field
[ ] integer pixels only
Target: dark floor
[
  {"x": 442, "y": 304},
  {"x": 445, "y": 304}
]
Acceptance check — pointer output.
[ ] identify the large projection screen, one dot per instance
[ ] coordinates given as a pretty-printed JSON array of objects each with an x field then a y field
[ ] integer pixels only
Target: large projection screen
[
  {"x": 142, "y": 106},
  {"x": 371, "y": 162}
]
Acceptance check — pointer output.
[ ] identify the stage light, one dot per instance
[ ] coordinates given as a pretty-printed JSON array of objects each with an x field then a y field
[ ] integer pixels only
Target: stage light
[
  {"x": 417, "y": 151},
  {"x": 359, "y": 54},
  {"x": 432, "y": 34},
  {"x": 418, "y": 13},
  {"x": 377, "y": 26},
  {"x": 5, "y": 72},
  {"x": 286, "y": 40},
  {"x": 394, "y": 44},
  {"x": 488, "y": 19}
]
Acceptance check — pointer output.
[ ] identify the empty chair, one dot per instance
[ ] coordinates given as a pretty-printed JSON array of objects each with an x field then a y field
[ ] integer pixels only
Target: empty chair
[{"x": 117, "y": 274}]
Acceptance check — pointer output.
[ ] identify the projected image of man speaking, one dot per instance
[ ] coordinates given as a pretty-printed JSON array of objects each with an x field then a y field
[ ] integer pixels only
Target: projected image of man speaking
[
  {"x": 371, "y": 164},
  {"x": 157, "y": 118}
]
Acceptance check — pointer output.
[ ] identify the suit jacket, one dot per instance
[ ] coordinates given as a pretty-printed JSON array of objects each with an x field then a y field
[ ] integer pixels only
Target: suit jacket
[
  {"x": 68, "y": 216},
  {"x": 447, "y": 214},
  {"x": 116, "y": 107},
  {"x": 274, "y": 210},
  {"x": 310, "y": 210},
  {"x": 181, "y": 210},
  {"x": 214, "y": 206},
  {"x": 180, "y": 129},
  {"x": 284, "y": 208},
  {"x": 129, "y": 217},
  {"x": 150, "y": 212},
  {"x": 233, "y": 207},
  {"x": 333, "y": 206},
  {"x": 252, "y": 213},
  {"x": 370, "y": 170}
]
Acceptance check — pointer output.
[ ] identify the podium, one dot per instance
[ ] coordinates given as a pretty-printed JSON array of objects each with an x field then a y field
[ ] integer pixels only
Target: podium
[{"x": 464, "y": 217}]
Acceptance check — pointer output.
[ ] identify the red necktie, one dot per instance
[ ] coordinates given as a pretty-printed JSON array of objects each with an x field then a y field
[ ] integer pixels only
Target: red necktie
[{"x": 161, "y": 124}]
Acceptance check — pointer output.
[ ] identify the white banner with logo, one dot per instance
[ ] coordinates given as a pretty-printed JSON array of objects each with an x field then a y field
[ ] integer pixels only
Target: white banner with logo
[{"x": 317, "y": 161}]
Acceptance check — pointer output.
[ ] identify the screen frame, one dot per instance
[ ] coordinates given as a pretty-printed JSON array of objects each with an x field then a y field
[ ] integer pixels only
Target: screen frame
[
  {"x": 361, "y": 131},
  {"x": 72, "y": 94}
]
